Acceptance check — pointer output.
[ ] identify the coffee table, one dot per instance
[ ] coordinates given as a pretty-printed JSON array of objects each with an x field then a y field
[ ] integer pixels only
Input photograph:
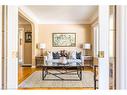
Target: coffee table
[{"x": 70, "y": 68}]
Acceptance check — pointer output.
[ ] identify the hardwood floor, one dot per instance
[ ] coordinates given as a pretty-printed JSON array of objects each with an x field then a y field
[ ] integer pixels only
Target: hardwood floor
[{"x": 24, "y": 72}]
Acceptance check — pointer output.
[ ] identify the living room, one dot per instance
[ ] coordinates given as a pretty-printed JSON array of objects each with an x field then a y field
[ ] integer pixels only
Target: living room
[
  {"x": 69, "y": 33},
  {"x": 39, "y": 48},
  {"x": 30, "y": 62}
]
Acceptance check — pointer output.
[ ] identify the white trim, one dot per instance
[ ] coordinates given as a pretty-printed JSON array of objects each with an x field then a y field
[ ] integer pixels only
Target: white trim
[
  {"x": 125, "y": 48},
  {"x": 1, "y": 47},
  {"x": 95, "y": 30},
  {"x": 29, "y": 13},
  {"x": 104, "y": 46},
  {"x": 95, "y": 23},
  {"x": 63, "y": 22},
  {"x": 34, "y": 25},
  {"x": 21, "y": 29},
  {"x": 33, "y": 67},
  {"x": 26, "y": 65},
  {"x": 121, "y": 54},
  {"x": 94, "y": 17},
  {"x": 12, "y": 47},
  {"x": 63, "y": 2}
]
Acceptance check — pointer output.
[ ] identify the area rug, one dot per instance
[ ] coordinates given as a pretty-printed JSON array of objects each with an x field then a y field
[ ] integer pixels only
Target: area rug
[{"x": 35, "y": 81}]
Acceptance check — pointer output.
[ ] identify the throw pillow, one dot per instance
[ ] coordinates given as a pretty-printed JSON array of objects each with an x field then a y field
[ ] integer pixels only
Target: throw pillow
[
  {"x": 73, "y": 55},
  {"x": 56, "y": 55},
  {"x": 49, "y": 56},
  {"x": 78, "y": 55},
  {"x": 63, "y": 53}
]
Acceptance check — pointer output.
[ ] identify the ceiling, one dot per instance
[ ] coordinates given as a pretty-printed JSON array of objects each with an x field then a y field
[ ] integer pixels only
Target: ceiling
[{"x": 63, "y": 14}]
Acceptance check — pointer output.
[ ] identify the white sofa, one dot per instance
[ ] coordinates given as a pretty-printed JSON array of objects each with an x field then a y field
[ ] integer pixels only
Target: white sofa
[{"x": 67, "y": 59}]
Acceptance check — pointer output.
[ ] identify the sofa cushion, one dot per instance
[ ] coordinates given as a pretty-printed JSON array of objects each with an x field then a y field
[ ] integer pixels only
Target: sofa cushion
[
  {"x": 78, "y": 55},
  {"x": 68, "y": 60},
  {"x": 56, "y": 55},
  {"x": 74, "y": 60}
]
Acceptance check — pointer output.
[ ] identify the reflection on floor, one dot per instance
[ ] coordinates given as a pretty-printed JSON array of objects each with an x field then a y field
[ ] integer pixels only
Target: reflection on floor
[{"x": 25, "y": 72}]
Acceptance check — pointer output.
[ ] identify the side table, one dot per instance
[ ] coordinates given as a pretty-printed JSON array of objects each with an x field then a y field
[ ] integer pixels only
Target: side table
[
  {"x": 88, "y": 61},
  {"x": 39, "y": 60}
]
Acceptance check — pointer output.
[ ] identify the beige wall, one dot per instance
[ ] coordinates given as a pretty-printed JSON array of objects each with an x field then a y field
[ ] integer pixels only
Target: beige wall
[
  {"x": 27, "y": 46},
  {"x": 83, "y": 34}
]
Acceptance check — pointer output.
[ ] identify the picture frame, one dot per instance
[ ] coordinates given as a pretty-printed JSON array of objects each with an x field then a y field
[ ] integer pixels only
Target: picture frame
[
  {"x": 28, "y": 37},
  {"x": 64, "y": 39}
]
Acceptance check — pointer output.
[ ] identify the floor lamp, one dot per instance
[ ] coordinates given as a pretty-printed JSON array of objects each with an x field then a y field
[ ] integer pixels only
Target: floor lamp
[{"x": 42, "y": 47}]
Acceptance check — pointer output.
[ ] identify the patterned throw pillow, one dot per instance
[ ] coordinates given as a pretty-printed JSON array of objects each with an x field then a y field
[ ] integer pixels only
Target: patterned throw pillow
[
  {"x": 78, "y": 55},
  {"x": 56, "y": 55}
]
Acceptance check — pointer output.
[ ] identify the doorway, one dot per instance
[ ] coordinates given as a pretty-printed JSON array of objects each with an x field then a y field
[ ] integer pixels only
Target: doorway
[
  {"x": 21, "y": 46},
  {"x": 24, "y": 46}
]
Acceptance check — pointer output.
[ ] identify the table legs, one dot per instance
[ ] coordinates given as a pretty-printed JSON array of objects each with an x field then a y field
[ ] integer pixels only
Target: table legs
[
  {"x": 79, "y": 73},
  {"x": 45, "y": 72}
]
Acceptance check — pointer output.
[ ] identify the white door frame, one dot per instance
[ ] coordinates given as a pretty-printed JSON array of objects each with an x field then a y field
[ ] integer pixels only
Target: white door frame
[
  {"x": 121, "y": 50},
  {"x": 103, "y": 47},
  {"x": 21, "y": 42},
  {"x": 12, "y": 64},
  {"x": 12, "y": 47},
  {"x": 1, "y": 47}
]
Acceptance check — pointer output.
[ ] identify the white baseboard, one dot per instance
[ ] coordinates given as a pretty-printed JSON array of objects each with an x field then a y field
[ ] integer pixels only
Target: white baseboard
[
  {"x": 26, "y": 64},
  {"x": 33, "y": 67}
]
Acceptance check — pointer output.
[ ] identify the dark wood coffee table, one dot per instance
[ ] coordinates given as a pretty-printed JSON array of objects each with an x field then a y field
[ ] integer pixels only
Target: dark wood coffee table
[{"x": 70, "y": 68}]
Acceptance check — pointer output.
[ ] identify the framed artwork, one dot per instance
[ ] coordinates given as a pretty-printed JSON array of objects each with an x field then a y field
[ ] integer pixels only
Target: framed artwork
[
  {"x": 28, "y": 37},
  {"x": 64, "y": 39}
]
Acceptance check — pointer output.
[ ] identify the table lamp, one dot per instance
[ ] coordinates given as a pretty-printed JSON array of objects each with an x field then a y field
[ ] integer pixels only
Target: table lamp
[
  {"x": 42, "y": 47},
  {"x": 86, "y": 47}
]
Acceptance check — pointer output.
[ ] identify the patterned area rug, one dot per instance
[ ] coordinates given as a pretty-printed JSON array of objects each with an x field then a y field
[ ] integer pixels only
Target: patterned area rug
[{"x": 35, "y": 81}]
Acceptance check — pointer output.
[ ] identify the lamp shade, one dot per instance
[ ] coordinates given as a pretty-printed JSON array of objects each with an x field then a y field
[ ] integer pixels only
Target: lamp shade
[
  {"x": 87, "y": 46},
  {"x": 42, "y": 45}
]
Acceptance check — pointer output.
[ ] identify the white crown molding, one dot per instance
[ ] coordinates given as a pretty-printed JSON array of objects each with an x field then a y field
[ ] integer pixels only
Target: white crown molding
[
  {"x": 63, "y": 22},
  {"x": 37, "y": 20},
  {"x": 93, "y": 17},
  {"x": 28, "y": 13},
  {"x": 24, "y": 23}
]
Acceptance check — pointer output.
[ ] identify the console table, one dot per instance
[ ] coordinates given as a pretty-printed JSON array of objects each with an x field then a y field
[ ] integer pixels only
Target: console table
[
  {"x": 88, "y": 61},
  {"x": 39, "y": 60}
]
